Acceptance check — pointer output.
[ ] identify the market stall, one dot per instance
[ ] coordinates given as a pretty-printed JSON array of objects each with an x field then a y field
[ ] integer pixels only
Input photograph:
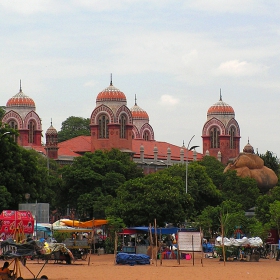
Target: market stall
[{"x": 244, "y": 249}]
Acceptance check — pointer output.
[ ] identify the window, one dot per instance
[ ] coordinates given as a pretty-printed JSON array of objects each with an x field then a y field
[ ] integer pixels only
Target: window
[
  {"x": 146, "y": 136},
  {"x": 103, "y": 126},
  {"x": 123, "y": 126},
  {"x": 214, "y": 137},
  {"x": 31, "y": 129},
  {"x": 232, "y": 134},
  {"x": 13, "y": 124}
]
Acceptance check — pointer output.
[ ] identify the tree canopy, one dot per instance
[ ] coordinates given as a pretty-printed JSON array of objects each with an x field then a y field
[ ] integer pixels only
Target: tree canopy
[
  {"x": 271, "y": 161},
  {"x": 96, "y": 177},
  {"x": 22, "y": 172},
  {"x": 73, "y": 127}
]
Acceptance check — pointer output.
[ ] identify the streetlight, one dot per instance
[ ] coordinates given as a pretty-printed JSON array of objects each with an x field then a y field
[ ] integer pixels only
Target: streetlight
[
  {"x": 193, "y": 147},
  {"x": 27, "y": 196},
  {"x": 5, "y": 133}
]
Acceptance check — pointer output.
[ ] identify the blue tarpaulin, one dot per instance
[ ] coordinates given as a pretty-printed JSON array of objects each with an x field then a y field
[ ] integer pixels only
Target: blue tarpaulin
[
  {"x": 159, "y": 230},
  {"x": 132, "y": 259}
]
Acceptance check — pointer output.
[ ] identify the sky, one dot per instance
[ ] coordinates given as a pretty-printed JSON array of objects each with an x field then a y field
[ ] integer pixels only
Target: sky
[{"x": 175, "y": 56}]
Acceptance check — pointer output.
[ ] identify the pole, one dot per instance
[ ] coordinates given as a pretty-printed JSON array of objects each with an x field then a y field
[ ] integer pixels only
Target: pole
[
  {"x": 187, "y": 164},
  {"x": 48, "y": 161}
]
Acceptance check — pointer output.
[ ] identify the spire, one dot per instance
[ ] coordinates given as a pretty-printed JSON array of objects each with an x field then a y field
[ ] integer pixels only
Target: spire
[
  {"x": 221, "y": 95},
  {"x": 20, "y": 86},
  {"x": 111, "y": 82},
  {"x": 135, "y": 100}
]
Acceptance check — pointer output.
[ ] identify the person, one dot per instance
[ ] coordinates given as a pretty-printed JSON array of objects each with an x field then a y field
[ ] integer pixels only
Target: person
[
  {"x": 29, "y": 238},
  {"x": 5, "y": 272},
  {"x": 169, "y": 241}
]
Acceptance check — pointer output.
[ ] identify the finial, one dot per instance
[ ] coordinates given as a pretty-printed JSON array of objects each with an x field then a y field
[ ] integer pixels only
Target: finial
[
  {"x": 248, "y": 140},
  {"x": 183, "y": 143},
  {"x": 135, "y": 100},
  {"x": 111, "y": 82},
  {"x": 221, "y": 95},
  {"x": 20, "y": 86},
  {"x": 51, "y": 121}
]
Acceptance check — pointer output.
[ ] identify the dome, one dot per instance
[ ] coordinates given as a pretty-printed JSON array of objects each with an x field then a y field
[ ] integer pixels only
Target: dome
[
  {"x": 220, "y": 108},
  {"x": 51, "y": 131},
  {"x": 139, "y": 113},
  {"x": 248, "y": 148},
  {"x": 111, "y": 93},
  {"x": 20, "y": 100}
]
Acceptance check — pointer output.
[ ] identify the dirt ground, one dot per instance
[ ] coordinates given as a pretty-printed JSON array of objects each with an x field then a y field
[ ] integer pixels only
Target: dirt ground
[{"x": 103, "y": 267}]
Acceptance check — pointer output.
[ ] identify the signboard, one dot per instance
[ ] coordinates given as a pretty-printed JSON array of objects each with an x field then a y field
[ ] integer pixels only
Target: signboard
[
  {"x": 189, "y": 241},
  {"x": 12, "y": 221}
]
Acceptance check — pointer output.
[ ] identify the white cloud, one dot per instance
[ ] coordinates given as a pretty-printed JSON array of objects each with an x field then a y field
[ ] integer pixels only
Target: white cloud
[
  {"x": 28, "y": 7},
  {"x": 90, "y": 84},
  {"x": 239, "y": 68},
  {"x": 233, "y": 6},
  {"x": 168, "y": 100}
]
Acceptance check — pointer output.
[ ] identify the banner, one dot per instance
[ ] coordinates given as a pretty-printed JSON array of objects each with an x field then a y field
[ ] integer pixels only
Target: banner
[{"x": 12, "y": 221}]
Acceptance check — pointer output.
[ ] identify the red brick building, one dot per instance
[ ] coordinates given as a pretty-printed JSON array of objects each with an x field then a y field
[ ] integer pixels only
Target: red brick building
[
  {"x": 114, "y": 125},
  {"x": 221, "y": 133}
]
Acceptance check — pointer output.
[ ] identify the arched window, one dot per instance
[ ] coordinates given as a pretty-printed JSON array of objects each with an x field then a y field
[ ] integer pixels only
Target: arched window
[
  {"x": 146, "y": 135},
  {"x": 103, "y": 122},
  {"x": 13, "y": 124},
  {"x": 215, "y": 137},
  {"x": 232, "y": 134},
  {"x": 31, "y": 129},
  {"x": 123, "y": 126}
]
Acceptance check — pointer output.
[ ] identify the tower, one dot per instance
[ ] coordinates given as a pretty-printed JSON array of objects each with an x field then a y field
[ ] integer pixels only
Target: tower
[
  {"x": 51, "y": 143},
  {"x": 221, "y": 133},
  {"x": 141, "y": 127},
  {"x": 21, "y": 115},
  {"x": 111, "y": 121}
]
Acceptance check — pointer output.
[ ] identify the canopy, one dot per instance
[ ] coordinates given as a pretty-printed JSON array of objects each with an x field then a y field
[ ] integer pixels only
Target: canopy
[
  {"x": 253, "y": 241},
  {"x": 12, "y": 221},
  {"x": 87, "y": 224},
  {"x": 70, "y": 229},
  {"x": 159, "y": 230},
  {"x": 42, "y": 227}
]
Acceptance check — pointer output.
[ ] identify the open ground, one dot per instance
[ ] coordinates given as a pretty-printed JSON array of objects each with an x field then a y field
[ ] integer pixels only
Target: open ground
[{"x": 103, "y": 267}]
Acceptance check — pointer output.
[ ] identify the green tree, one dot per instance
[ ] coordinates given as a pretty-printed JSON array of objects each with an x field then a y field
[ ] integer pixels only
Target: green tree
[
  {"x": 114, "y": 226},
  {"x": 2, "y": 113},
  {"x": 73, "y": 127},
  {"x": 240, "y": 190},
  {"x": 5, "y": 198},
  {"x": 201, "y": 188},
  {"x": 214, "y": 169},
  {"x": 232, "y": 216},
  {"x": 274, "y": 211},
  {"x": 163, "y": 196},
  {"x": 95, "y": 177},
  {"x": 271, "y": 161},
  {"x": 156, "y": 196},
  {"x": 263, "y": 205},
  {"x": 21, "y": 172}
]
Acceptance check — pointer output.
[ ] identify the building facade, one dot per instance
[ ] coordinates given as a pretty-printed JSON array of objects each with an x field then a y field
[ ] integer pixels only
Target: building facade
[
  {"x": 221, "y": 133},
  {"x": 114, "y": 125}
]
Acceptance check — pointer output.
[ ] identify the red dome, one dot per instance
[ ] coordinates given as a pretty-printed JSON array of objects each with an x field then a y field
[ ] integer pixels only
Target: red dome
[
  {"x": 51, "y": 131},
  {"x": 220, "y": 108},
  {"x": 111, "y": 93},
  {"x": 139, "y": 113},
  {"x": 20, "y": 100}
]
